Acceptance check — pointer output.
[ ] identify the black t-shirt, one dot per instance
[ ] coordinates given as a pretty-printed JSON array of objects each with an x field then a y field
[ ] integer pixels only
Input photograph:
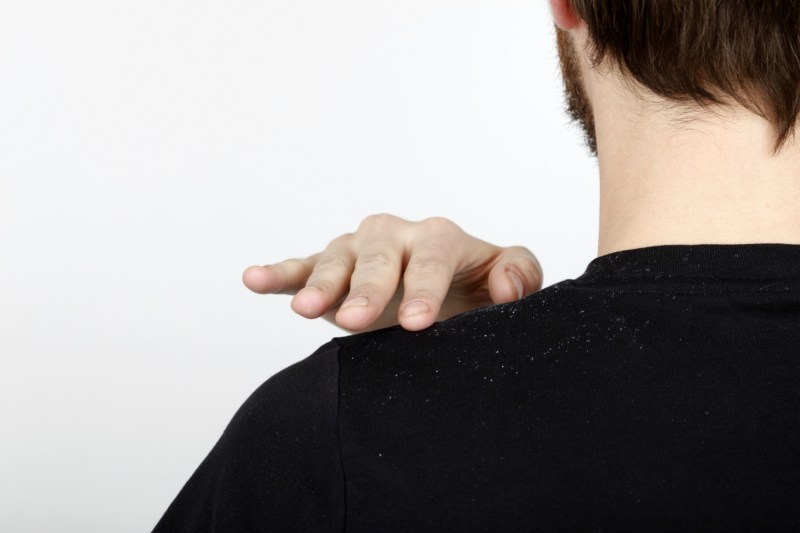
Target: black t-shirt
[{"x": 660, "y": 390}]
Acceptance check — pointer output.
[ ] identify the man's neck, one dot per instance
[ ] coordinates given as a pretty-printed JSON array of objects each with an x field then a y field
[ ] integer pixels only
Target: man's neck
[{"x": 706, "y": 179}]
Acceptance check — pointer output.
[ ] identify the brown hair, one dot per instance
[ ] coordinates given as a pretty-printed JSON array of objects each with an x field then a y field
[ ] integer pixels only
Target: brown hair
[{"x": 706, "y": 50}]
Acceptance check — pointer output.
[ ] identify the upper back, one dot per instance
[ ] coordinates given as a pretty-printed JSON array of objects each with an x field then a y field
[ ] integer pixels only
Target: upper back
[{"x": 660, "y": 388}]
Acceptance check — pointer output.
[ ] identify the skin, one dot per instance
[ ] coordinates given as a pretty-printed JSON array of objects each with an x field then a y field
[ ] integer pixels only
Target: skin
[
  {"x": 680, "y": 176},
  {"x": 668, "y": 175},
  {"x": 389, "y": 267}
]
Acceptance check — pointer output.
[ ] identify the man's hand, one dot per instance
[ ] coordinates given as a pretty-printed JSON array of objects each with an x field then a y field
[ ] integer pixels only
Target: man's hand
[{"x": 444, "y": 272}]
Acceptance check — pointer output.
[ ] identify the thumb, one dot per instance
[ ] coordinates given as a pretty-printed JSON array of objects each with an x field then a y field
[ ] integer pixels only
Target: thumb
[{"x": 516, "y": 274}]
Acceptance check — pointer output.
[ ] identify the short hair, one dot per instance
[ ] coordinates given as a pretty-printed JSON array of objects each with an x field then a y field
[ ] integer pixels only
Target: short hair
[{"x": 705, "y": 51}]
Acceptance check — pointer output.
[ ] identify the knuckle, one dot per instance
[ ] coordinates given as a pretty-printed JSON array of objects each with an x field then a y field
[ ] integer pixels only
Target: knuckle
[
  {"x": 441, "y": 225},
  {"x": 311, "y": 259},
  {"x": 425, "y": 265},
  {"x": 334, "y": 262},
  {"x": 324, "y": 285},
  {"x": 374, "y": 259},
  {"x": 377, "y": 222},
  {"x": 341, "y": 240},
  {"x": 289, "y": 267},
  {"x": 287, "y": 263}
]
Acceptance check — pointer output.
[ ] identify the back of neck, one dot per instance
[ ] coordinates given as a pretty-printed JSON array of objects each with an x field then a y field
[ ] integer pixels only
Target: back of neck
[{"x": 704, "y": 177}]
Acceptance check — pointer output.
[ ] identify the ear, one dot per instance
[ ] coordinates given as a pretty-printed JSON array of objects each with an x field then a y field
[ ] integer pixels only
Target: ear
[{"x": 564, "y": 15}]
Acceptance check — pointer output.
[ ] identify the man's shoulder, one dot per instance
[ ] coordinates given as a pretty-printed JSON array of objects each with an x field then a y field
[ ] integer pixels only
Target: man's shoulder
[
  {"x": 305, "y": 391},
  {"x": 474, "y": 332},
  {"x": 277, "y": 462},
  {"x": 316, "y": 370},
  {"x": 314, "y": 383},
  {"x": 308, "y": 387}
]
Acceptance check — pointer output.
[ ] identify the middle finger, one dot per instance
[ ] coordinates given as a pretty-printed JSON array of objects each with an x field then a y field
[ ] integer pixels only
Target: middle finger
[{"x": 374, "y": 282}]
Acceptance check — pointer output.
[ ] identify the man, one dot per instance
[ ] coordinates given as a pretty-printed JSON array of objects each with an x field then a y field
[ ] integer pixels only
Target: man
[{"x": 657, "y": 391}]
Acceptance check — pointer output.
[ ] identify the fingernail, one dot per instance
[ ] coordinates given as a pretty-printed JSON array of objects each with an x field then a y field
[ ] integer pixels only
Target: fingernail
[
  {"x": 416, "y": 307},
  {"x": 516, "y": 281},
  {"x": 356, "y": 301}
]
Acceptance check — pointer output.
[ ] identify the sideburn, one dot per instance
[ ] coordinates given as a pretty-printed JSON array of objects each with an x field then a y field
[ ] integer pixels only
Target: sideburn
[{"x": 579, "y": 108}]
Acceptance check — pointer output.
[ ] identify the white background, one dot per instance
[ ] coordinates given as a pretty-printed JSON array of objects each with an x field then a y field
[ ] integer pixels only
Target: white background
[{"x": 151, "y": 150}]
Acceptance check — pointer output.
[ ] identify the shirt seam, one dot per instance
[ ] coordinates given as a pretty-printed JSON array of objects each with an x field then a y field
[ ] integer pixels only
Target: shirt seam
[{"x": 338, "y": 430}]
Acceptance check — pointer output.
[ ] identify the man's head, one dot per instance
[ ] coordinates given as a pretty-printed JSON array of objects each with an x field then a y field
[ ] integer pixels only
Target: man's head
[{"x": 696, "y": 54}]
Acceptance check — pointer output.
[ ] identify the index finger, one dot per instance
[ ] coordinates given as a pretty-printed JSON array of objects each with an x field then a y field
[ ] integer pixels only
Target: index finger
[{"x": 285, "y": 277}]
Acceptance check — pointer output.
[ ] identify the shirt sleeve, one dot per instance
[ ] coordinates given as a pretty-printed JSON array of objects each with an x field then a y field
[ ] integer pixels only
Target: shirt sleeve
[{"x": 277, "y": 466}]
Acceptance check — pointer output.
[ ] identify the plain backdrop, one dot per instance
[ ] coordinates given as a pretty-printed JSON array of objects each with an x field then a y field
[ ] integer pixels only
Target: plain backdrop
[{"x": 151, "y": 150}]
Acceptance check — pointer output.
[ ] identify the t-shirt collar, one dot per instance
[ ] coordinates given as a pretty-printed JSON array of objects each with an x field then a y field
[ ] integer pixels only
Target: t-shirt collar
[{"x": 757, "y": 261}]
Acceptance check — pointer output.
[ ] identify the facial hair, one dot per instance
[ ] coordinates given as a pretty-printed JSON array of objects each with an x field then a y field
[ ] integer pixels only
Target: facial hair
[{"x": 579, "y": 108}]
